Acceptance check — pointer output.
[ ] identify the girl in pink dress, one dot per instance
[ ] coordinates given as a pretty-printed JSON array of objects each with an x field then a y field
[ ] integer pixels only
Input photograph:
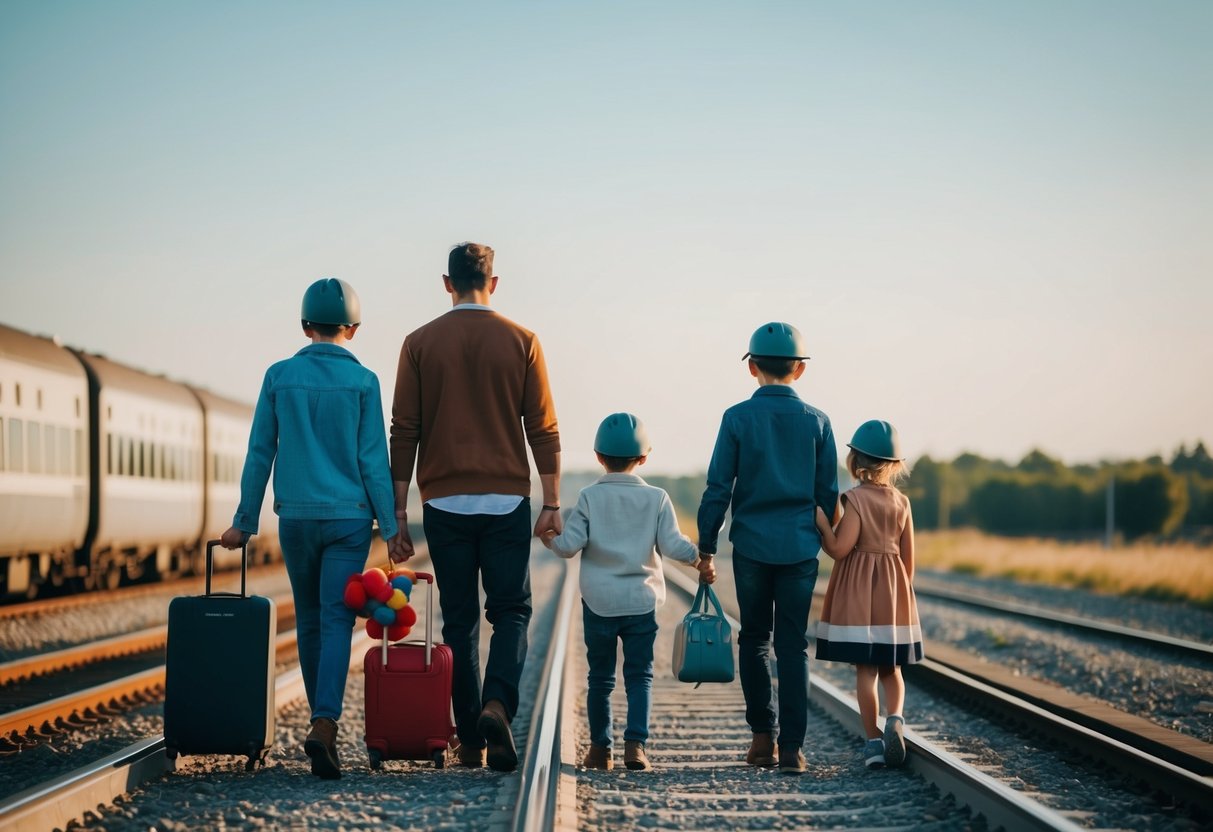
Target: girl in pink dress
[{"x": 870, "y": 618}]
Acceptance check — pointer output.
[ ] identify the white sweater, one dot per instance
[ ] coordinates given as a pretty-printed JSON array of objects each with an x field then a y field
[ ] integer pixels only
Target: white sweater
[{"x": 621, "y": 524}]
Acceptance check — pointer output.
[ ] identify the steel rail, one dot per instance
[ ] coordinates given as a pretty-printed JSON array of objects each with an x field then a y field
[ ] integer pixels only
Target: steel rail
[
  {"x": 1001, "y": 805},
  {"x": 45, "y": 716},
  {"x": 536, "y": 806},
  {"x": 124, "y": 644},
  {"x": 1179, "y": 646},
  {"x": 58, "y": 802}
]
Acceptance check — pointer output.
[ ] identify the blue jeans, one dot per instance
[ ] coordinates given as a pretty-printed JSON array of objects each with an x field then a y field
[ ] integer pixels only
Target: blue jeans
[
  {"x": 465, "y": 550},
  {"x": 775, "y": 597},
  {"x": 637, "y": 632},
  {"x": 320, "y": 556}
]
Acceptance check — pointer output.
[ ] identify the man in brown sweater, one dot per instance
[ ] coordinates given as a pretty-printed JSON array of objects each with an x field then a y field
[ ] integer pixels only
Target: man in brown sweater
[{"x": 471, "y": 393}]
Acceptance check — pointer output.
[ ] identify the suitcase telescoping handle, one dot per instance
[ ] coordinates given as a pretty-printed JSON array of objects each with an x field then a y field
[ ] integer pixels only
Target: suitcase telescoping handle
[
  {"x": 429, "y": 619},
  {"x": 210, "y": 562}
]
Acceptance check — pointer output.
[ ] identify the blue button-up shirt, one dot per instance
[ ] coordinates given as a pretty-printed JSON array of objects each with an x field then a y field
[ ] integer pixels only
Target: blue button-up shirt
[
  {"x": 319, "y": 424},
  {"x": 775, "y": 461}
]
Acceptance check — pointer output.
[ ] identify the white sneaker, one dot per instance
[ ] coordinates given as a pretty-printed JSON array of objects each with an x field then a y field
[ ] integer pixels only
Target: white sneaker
[{"x": 873, "y": 753}]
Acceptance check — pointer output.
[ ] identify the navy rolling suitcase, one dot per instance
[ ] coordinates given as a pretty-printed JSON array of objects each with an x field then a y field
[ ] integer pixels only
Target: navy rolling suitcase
[{"x": 219, "y": 673}]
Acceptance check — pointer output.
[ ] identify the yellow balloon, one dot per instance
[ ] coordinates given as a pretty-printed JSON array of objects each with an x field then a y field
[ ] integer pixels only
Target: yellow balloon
[{"x": 398, "y": 599}]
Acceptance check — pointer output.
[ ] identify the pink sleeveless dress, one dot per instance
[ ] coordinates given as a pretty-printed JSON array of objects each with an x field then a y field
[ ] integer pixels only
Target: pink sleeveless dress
[{"x": 870, "y": 615}]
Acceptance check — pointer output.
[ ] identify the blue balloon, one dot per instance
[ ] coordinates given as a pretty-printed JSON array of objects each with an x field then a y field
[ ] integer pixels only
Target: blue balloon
[
  {"x": 385, "y": 616},
  {"x": 402, "y": 583}
]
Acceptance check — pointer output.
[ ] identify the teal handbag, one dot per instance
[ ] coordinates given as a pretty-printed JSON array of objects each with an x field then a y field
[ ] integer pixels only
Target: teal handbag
[{"x": 703, "y": 642}]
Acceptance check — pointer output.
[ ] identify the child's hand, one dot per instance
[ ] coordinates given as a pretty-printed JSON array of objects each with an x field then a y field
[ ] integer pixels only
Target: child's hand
[
  {"x": 707, "y": 570},
  {"x": 823, "y": 523},
  {"x": 547, "y": 536}
]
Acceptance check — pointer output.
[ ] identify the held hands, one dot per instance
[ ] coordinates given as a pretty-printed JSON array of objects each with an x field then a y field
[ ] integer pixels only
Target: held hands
[
  {"x": 823, "y": 522},
  {"x": 547, "y": 536},
  {"x": 400, "y": 547},
  {"x": 707, "y": 569},
  {"x": 549, "y": 521}
]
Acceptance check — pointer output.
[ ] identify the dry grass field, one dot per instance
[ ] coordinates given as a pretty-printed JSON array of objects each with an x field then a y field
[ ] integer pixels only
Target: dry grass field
[{"x": 1172, "y": 572}]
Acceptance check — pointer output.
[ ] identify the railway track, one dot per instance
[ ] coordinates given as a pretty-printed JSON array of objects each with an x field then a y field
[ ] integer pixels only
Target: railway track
[
  {"x": 77, "y": 687},
  {"x": 700, "y": 780}
]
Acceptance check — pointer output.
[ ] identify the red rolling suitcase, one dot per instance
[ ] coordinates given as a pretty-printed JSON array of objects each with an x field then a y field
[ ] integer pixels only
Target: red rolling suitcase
[{"x": 408, "y": 696}]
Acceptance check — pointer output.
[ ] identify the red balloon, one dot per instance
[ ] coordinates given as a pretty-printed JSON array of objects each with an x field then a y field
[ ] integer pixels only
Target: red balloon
[
  {"x": 397, "y": 632},
  {"x": 355, "y": 596},
  {"x": 406, "y": 616},
  {"x": 383, "y": 594},
  {"x": 374, "y": 580},
  {"x": 374, "y": 629}
]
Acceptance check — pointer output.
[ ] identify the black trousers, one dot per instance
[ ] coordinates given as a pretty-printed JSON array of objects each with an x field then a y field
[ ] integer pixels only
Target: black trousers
[{"x": 467, "y": 549}]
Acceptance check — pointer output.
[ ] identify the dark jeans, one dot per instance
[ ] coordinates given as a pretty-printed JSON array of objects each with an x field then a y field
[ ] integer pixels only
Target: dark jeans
[
  {"x": 775, "y": 597},
  {"x": 465, "y": 549},
  {"x": 637, "y": 632}
]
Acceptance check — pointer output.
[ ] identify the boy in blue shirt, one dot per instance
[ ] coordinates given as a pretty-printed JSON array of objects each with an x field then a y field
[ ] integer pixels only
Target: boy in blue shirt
[
  {"x": 775, "y": 462},
  {"x": 319, "y": 425}
]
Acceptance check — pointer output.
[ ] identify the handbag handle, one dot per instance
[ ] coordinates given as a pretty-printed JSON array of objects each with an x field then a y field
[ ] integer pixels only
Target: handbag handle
[{"x": 702, "y": 599}]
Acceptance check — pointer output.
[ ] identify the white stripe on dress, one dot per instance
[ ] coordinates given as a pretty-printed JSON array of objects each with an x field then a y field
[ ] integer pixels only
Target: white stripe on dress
[{"x": 870, "y": 634}]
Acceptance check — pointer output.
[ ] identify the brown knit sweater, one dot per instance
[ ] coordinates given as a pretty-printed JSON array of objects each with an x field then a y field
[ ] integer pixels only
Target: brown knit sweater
[{"x": 470, "y": 386}]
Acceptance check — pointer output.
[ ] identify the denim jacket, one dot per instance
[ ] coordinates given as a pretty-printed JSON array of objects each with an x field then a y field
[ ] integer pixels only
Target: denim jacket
[
  {"x": 775, "y": 461},
  {"x": 319, "y": 424}
]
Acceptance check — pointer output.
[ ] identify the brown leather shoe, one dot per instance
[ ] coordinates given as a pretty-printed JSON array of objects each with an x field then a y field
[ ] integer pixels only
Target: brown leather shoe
[
  {"x": 321, "y": 746},
  {"x": 599, "y": 757},
  {"x": 466, "y": 756},
  {"x": 762, "y": 750},
  {"x": 634, "y": 757},
  {"x": 791, "y": 762},
  {"x": 494, "y": 726}
]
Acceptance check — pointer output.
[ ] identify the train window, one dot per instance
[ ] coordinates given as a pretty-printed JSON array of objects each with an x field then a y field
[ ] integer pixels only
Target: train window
[
  {"x": 34, "y": 439},
  {"x": 65, "y": 452},
  {"x": 79, "y": 452},
  {"x": 77, "y": 407},
  {"x": 151, "y": 459},
  {"x": 142, "y": 458},
  {"x": 120, "y": 466},
  {"x": 17, "y": 392},
  {"x": 109, "y": 454},
  {"x": 2, "y": 448},
  {"x": 39, "y": 398},
  {"x": 52, "y": 456},
  {"x": 130, "y": 457},
  {"x": 16, "y": 449}
]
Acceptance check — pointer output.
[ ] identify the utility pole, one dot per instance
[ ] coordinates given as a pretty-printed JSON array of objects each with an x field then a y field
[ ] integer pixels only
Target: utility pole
[{"x": 1110, "y": 513}]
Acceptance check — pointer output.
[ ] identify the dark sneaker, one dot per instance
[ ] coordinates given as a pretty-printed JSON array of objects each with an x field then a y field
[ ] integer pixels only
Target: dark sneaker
[
  {"x": 791, "y": 761},
  {"x": 494, "y": 726},
  {"x": 873, "y": 753},
  {"x": 762, "y": 750},
  {"x": 634, "y": 757},
  {"x": 894, "y": 742},
  {"x": 321, "y": 746},
  {"x": 599, "y": 757}
]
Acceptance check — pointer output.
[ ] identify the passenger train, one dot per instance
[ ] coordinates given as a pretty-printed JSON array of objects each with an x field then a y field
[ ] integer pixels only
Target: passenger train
[{"x": 111, "y": 475}]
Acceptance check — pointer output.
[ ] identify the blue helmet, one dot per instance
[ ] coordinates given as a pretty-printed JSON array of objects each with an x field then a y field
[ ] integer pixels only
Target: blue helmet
[
  {"x": 622, "y": 435},
  {"x": 331, "y": 301},
  {"x": 877, "y": 439},
  {"x": 776, "y": 340}
]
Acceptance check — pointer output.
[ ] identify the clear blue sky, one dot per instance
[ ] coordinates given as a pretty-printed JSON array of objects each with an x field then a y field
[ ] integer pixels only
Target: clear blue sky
[{"x": 991, "y": 221}]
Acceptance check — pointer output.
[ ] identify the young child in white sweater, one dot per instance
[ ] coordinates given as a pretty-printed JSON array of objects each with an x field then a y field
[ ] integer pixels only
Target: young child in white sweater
[{"x": 620, "y": 525}]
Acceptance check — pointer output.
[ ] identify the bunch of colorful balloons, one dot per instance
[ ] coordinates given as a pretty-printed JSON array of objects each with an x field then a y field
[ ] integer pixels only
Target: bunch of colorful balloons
[{"x": 382, "y": 598}]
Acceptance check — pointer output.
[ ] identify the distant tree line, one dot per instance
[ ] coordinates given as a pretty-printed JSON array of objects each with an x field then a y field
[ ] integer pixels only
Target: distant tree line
[{"x": 1042, "y": 496}]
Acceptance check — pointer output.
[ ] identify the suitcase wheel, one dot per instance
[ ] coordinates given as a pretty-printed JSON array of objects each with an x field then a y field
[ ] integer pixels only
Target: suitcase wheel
[
  {"x": 439, "y": 758},
  {"x": 170, "y": 752},
  {"x": 376, "y": 758}
]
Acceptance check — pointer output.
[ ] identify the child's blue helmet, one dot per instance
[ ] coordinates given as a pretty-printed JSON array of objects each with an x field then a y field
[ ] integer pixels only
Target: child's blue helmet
[
  {"x": 877, "y": 439},
  {"x": 622, "y": 435},
  {"x": 331, "y": 301},
  {"x": 776, "y": 340}
]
